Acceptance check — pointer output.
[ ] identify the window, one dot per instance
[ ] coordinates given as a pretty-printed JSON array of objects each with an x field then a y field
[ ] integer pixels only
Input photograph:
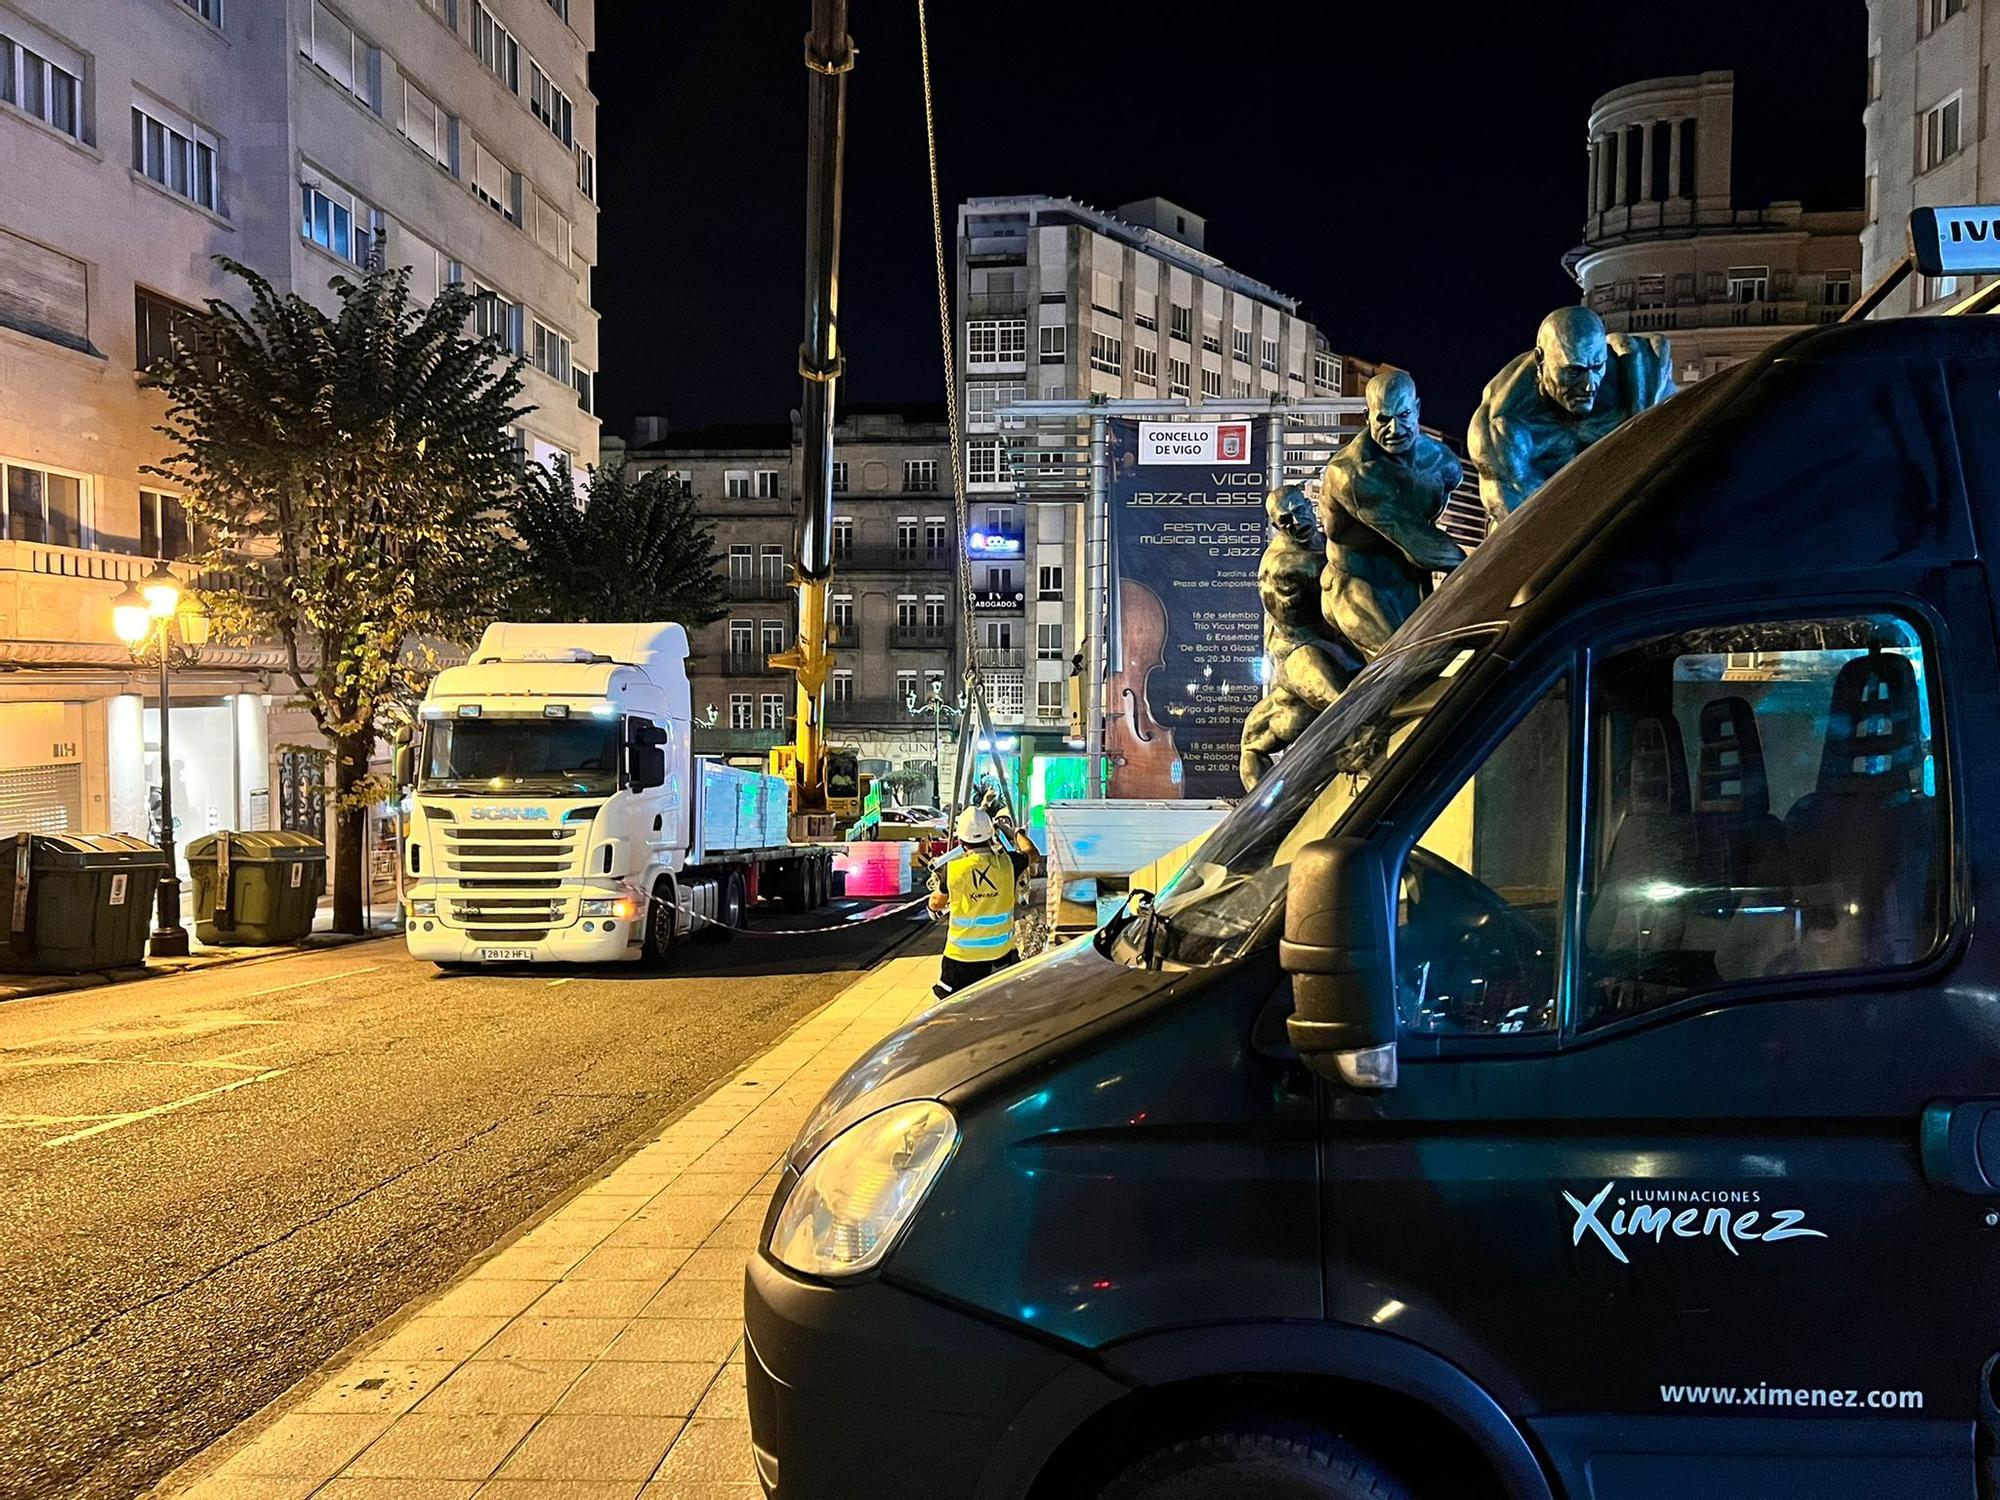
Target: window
[
  {"x": 742, "y": 639},
  {"x": 1104, "y": 292},
  {"x": 1940, "y": 133},
  {"x": 1146, "y": 365},
  {"x": 1837, "y": 288},
  {"x": 937, "y": 536},
  {"x": 999, "y": 635},
  {"x": 1146, "y": 309},
  {"x": 1211, "y": 334},
  {"x": 1768, "y": 808},
  {"x": 736, "y": 484},
  {"x": 906, "y": 612},
  {"x": 739, "y": 711},
  {"x": 585, "y": 382},
  {"x": 1937, "y": 288},
  {"x": 42, "y": 77},
  {"x": 1211, "y": 382},
  {"x": 1270, "y": 350},
  {"x": 771, "y": 564},
  {"x": 551, "y": 105},
  {"x": 1049, "y": 641},
  {"x": 1875, "y": 75},
  {"x": 1106, "y": 354},
  {"x": 772, "y": 710},
  {"x": 551, "y": 352},
  {"x": 1177, "y": 377},
  {"x": 767, "y": 484},
  {"x": 906, "y": 687},
  {"x": 155, "y": 321},
  {"x": 1937, "y": 12},
  {"x": 1749, "y": 284},
  {"x": 920, "y": 476},
  {"x": 446, "y": 11},
  {"x": 1050, "y": 581},
  {"x": 1239, "y": 387},
  {"x": 175, "y": 153},
  {"x": 497, "y": 318},
  {"x": 996, "y": 341},
  {"x": 906, "y": 536},
  {"x": 934, "y": 617},
  {"x": 42, "y": 505},
  {"x": 209, "y": 10},
  {"x": 493, "y": 182},
  {"x": 586, "y": 174},
  {"x": 1054, "y": 343},
  {"x": 1480, "y": 901},
  {"x": 985, "y": 399},
  {"x": 843, "y": 687},
  {"x": 1239, "y": 345},
  {"x": 843, "y": 536},
  {"x": 739, "y": 563},
  {"x": 426, "y": 125},
  {"x": 1051, "y": 698},
  {"x": 344, "y": 57},
  {"x": 771, "y": 635},
  {"x": 842, "y": 617},
  {"x": 840, "y": 476},
  {"x": 1180, "y": 322},
  {"x": 560, "y": 7},
  {"x": 496, "y": 48},
  {"x": 1326, "y": 373},
  {"x": 338, "y": 222}
]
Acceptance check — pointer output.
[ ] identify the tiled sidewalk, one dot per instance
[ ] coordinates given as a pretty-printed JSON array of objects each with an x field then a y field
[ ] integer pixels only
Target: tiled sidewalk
[{"x": 599, "y": 1356}]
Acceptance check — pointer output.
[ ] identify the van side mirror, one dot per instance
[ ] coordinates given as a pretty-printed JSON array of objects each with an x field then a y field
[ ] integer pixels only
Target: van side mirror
[
  {"x": 404, "y": 761},
  {"x": 645, "y": 746},
  {"x": 1337, "y": 946}
]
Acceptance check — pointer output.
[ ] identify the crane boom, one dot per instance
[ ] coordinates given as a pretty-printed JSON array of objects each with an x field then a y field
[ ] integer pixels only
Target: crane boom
[{"x": 829, "y": 54}]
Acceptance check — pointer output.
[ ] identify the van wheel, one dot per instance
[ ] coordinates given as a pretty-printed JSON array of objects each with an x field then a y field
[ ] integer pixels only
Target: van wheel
[
  {"x": 656, "y": 950},
  {"x": 1257, "y": 1460}
]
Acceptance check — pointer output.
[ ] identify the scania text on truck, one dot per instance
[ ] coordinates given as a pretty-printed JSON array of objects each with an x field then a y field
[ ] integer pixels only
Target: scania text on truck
[{"x": 559, "y": 814}]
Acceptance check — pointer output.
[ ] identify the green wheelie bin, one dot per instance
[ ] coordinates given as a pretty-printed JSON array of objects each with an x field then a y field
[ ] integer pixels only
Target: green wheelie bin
[
  {"x": 70, "y": 902},
  {"x": 256, "y": 890}
]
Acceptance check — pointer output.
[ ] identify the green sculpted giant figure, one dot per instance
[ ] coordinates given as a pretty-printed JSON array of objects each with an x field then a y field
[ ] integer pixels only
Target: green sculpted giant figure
[{"x": 1548, "y": 405}]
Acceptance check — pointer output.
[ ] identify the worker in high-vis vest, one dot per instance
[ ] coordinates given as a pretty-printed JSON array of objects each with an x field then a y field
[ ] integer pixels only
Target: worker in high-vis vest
[{"x": 975, "y": 891}]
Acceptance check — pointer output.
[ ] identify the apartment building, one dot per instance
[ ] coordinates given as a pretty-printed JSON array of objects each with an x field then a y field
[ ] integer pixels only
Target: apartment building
[
  {"x": 1062, "y": 301},
  {"x": 1665, "y": 248},
  {"x": 893, "y": 606},
  {"x": 1927, "y": 130},
  {"x": 140, "y": 139}
]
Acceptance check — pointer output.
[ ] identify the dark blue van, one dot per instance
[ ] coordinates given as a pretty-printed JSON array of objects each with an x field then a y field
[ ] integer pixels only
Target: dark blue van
[{"x": 1574, "y": 1073}]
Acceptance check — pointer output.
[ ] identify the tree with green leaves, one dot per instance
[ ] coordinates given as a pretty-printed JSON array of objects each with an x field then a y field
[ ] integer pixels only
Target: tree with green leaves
[
  {"x": 348, "y": 472},
  {"x": 614, "y": 549}
]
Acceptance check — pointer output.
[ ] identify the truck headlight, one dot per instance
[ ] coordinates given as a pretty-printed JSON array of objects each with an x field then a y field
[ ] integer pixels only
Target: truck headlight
[
  {"x": 423, "y": 908},
  {"x": 859, "y": 1194},
  {"x": 610, "y": 906}
]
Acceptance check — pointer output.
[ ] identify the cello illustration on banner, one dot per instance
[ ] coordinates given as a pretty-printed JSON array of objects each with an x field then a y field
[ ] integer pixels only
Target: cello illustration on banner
[{"x": 1144, "y": 760}]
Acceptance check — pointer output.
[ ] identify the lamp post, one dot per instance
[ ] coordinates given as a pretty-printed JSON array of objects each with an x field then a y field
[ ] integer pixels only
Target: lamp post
[
  {"x": 149, "y": 619},
  {"x": 937, "y": 708}
]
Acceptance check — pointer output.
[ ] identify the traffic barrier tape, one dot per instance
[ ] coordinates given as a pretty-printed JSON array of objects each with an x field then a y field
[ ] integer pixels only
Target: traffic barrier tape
[{"x": 698, "y": 919}]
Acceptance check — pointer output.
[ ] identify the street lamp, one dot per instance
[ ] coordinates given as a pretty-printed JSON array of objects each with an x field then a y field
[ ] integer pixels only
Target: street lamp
[
  {"x": 150, "y": 619},
  {"x": 939, "y": 710}
]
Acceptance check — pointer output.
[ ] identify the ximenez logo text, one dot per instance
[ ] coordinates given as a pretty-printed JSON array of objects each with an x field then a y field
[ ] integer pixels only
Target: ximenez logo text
[{"x": 1656, "y": 1214}]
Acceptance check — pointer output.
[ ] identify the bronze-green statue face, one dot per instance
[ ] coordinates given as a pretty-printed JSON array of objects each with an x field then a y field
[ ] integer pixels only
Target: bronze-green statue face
[
  {"x": 1292, "y": 513},
  {"x": 1570, "y": 355},
  {"x": 1392, "y": 411}
]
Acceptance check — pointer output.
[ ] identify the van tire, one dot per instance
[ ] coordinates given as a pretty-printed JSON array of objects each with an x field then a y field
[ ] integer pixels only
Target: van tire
[
  {"x": 1257, "y": 1459},
  {"x": 656, "y": 949},
  {"x": 729, "y": 908}
]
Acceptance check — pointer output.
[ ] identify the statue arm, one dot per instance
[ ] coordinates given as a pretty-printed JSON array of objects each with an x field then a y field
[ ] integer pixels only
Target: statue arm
[
  {"x": 1411, "y": 534},
  {"x": 1502, "y": 452}
]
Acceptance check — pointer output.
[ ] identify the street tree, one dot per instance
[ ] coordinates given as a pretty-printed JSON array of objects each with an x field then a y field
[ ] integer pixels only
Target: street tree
[
  {"x": 349, "y": 473},
  {"x": 615, "y": 549}
]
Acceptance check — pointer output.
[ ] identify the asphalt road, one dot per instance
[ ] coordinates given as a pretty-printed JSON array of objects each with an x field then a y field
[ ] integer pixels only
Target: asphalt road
[{"x": 210, "y": 1183}]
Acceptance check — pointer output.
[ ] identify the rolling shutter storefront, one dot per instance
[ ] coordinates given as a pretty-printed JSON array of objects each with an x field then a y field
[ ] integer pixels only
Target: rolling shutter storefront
[{"x": 41, "y": 799}]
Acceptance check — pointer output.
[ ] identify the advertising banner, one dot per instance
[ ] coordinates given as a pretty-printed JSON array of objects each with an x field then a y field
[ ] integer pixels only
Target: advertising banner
[{"x": 1186, "y": 504}]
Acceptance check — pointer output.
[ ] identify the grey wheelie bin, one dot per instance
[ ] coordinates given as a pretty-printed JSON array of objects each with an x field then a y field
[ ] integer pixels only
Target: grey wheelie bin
[
  {"x": 256, "y": 890},
  {"x": 76, "y": 901}
]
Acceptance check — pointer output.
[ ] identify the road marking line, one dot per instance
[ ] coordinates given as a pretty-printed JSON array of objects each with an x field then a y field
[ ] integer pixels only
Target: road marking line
[
  {"x": 554, "y": 982},
  {"x": 279, "y": 989},
  {"x": 132, "y": 1062},
  {"x": 119, "y": 1121}
]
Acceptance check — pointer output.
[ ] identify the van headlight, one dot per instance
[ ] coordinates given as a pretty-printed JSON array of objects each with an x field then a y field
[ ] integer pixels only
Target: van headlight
[
  {"x": 859, "y": 1194},
  {"x": 423, "y": 908},
  {"x": 609, "y": 906}
]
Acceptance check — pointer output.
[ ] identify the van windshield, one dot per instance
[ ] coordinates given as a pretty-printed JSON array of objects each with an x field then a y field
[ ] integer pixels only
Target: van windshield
[
  {"x": 1220, "y": 901},
  {"x": 504, "y": 753}
]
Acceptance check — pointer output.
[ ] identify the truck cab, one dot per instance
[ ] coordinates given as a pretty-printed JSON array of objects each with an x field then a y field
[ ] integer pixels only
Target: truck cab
[{"x": 1574, "y": 1073}]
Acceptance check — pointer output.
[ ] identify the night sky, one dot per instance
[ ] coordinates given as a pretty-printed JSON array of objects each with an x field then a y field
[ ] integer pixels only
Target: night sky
[{"x": 1413, "y": 181}]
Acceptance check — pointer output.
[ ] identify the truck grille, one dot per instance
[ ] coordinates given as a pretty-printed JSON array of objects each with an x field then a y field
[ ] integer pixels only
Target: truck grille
[
  {"x": 484, "y": 912},
  {"x": 512, "y": 851}
]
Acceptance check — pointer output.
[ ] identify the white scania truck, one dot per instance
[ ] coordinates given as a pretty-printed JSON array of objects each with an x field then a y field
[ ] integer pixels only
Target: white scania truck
[{"x": 559, "y": 814}]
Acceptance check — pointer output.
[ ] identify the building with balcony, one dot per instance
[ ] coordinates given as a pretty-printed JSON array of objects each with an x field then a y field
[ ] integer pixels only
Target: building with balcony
[
  {"x": 893, "y": 606},
  {"x": 1926, "y": 121},
  {"x": 1062, "y": 301},
  {"x": 1665, "y": 248},
  {"x": 140, "y": 139}
]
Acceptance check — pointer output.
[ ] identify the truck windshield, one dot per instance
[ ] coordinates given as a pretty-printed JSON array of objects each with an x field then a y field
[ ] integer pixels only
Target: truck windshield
[
  {"x": 1219, "y": 903},
  {"x": 504, "y": 754}
]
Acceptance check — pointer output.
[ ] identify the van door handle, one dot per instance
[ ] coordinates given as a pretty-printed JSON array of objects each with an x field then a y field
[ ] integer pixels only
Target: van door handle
[{"x": 1961, "y": 1146}]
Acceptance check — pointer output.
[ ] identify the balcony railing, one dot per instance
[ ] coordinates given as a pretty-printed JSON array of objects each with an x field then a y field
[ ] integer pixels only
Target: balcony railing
[
  {"x": 868, "y": 711},
  {"x": 1002, "y": 658},
  {"x": 758, "y": 588},
  {"x": 917, "y": 638},
  {"x": 748, "y": 664},
  {"x": 721, "y": 741},
  {"x": 868, "y": 557}
]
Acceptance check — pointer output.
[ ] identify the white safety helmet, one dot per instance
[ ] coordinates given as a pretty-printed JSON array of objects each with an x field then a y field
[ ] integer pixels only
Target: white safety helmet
[{"x": 974, "y": 827}]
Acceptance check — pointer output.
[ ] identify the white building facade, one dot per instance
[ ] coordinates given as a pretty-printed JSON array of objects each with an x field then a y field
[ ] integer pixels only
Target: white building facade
[
  {"x": 1927, "y": 127},
  {"x": 139, "y": 140},
  {"x": 1666, "y": 250}
]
